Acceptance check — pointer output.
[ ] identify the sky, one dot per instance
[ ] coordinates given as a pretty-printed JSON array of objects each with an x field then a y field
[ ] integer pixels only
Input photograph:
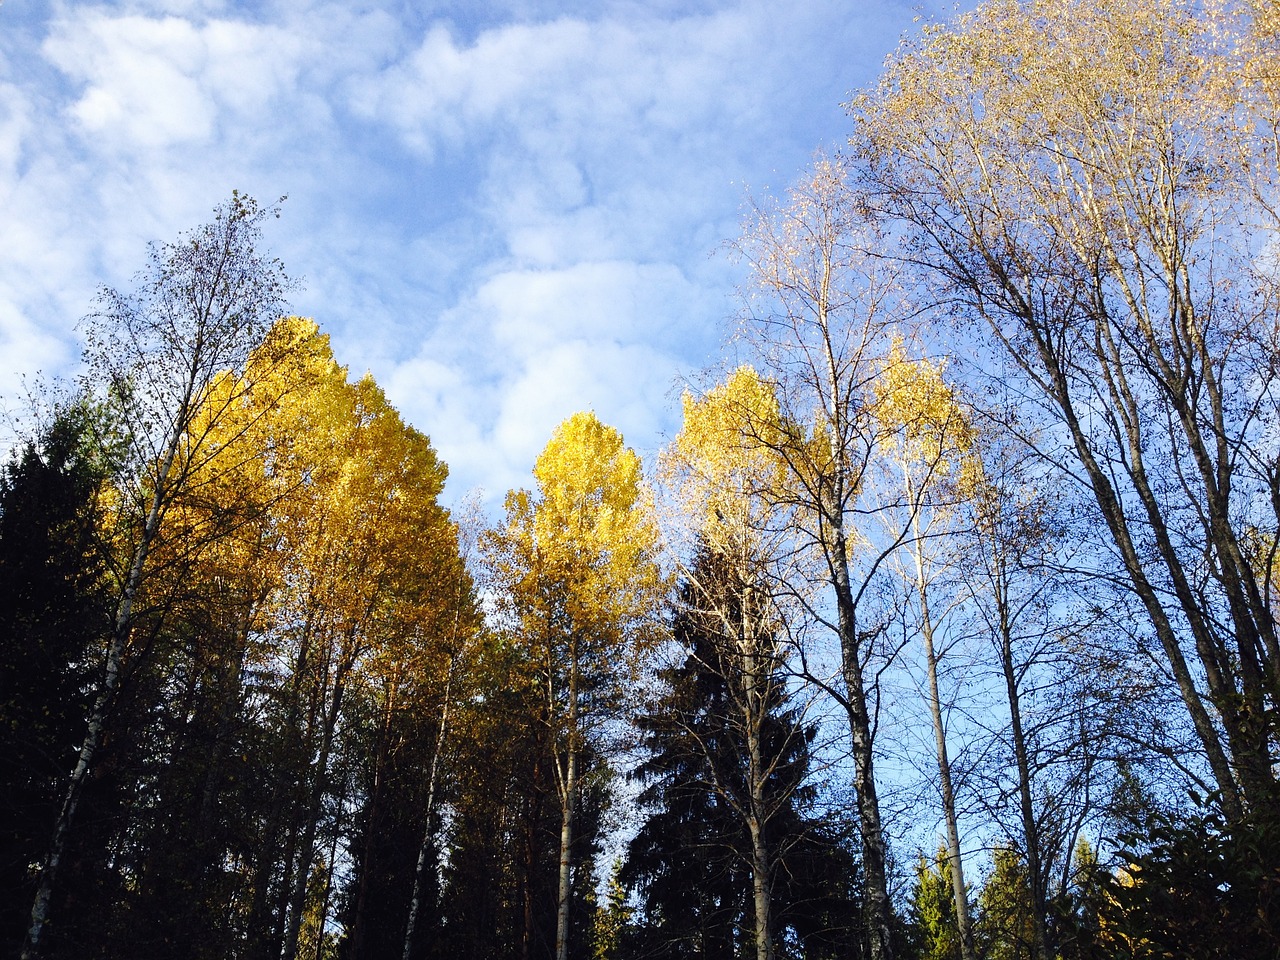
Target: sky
[{"x": 506, "y": 211}]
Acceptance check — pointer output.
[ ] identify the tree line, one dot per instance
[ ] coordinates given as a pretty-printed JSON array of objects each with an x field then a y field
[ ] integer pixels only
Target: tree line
[{"x": 943, "y": 628}]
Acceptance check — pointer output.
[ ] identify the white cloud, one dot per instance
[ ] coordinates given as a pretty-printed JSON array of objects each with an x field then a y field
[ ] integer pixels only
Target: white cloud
[
  {"x": 531, "y": 347},
  {"x": 555, "y": 87},
  {"x": 15, "y": 126},
  {"x": 623, "y": 383},
  {"x": 149, "y": 83},
  {"x": 505, "y": 217}
]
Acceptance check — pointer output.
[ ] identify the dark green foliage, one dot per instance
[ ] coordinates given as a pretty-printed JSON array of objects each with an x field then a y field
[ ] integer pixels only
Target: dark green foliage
[
  {"x": 690, "y": 862},
  {"x": 54, "y": 615},
  {"x": 1197, "y": 887}
]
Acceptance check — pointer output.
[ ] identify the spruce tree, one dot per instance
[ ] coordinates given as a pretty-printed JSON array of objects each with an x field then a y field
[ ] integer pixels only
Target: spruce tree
[{"x": 690, "y": 862}]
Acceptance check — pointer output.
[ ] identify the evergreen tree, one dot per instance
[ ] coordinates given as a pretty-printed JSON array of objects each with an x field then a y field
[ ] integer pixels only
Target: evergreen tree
[
  {"x": 933, "y": 931},
  {"x": 54, "y": 615},
  {"x": 691, "y": 859},
  {"x": 1005, "y": 928}
]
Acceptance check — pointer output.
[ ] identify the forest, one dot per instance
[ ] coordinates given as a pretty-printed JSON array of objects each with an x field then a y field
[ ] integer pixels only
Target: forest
[{"x": 944, "y": 628}]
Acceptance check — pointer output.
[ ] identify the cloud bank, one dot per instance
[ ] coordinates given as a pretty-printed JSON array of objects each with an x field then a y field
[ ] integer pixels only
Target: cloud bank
[{"x": 506, "y": 213}]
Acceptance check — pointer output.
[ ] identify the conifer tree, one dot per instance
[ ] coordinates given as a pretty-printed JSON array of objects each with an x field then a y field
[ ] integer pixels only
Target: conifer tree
[{"x": 693, "y": 860}]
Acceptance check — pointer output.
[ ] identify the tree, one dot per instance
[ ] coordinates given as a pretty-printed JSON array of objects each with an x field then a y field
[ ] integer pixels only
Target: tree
[
  {"x": 464, "y": 627},
  {"x": 821, "y": 321},
  {"x": 1007, "y": 927},
  {"x": 930, "y": 438},
  {"x": 369, "y": 586},
  {"x": 54, "y": 610},
  {"x": 724, "y": 778},
  {"x": 1074, "y": 697},
  {"x": 200, "y": 306},
  {"x": 1084, "y": 180},
  {"x": 725, "y": 479},
  {"x": 1199, "y": 887},
  {"x": 932, "y": 912},
  {"x": 576, "y": 566},
  {"x": 612, "y": 919}
]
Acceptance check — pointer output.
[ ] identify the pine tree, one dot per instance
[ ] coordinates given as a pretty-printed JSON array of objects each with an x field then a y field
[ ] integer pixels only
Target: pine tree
[{"x": 933, "y": 929}]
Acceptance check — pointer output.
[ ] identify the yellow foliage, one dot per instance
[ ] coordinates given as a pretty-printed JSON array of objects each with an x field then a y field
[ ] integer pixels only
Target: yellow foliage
[
  {"x": 1110, "y": 128},
  {"x": 725, "y": 463},
  {"x": 321, "y": 504},
  {"x": 578, "y": 560},
  {"x": 927, "y": 427}
]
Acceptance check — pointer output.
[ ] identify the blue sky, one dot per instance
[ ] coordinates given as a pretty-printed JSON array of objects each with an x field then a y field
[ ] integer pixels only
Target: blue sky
[{"x": 506, "y": 211}]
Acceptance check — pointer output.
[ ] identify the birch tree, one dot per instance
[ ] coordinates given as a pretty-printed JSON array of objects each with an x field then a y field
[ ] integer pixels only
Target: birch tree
[
  {"x": 576, "y": 566},
  {"x": 1095, "y": 184},
  {"x": 725, "y": 474},
  {"x": 820, "y": 320},
  {"x": 929, "y": 440},
  {"x": 197, "y": 310}
]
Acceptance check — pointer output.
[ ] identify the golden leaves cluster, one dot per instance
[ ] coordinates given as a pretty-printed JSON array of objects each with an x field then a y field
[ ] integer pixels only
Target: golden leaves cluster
[
  {"x": 724, "y": 467},
  {"x": 326, "y": 502},
  {"x": 926, "y": 426},
  {"x": 577, "y": 559}
]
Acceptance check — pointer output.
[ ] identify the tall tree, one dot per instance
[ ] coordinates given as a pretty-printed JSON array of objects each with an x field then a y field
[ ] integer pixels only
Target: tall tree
[
  {"x": 200, "y": 306},
  {"x": 1007, "y": 925},
  {"x": 821, "y": 320},
  {"x": 930, "y": 439},
  {"x": 1092, "y": 183},
  {"x": 725, "y": 481},
  {"x": 724, "y": 777},
  {"x": 54, "y": 612},
  {"x": 576, "y": 565},
  {"x": 934, "y": 928},
  {"x": 370, "y": 582}
]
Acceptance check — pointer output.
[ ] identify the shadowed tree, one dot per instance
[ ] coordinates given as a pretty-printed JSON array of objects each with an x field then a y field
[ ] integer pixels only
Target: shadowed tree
[{"x": 203, "y": 303}]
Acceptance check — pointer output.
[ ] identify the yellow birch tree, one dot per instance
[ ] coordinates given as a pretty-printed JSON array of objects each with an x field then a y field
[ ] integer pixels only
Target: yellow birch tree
[{"x": 576, "y": 566}]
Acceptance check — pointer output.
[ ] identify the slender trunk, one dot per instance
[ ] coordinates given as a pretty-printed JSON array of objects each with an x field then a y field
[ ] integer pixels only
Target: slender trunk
[
  {"x": 755, "y": 679},
  {"x": 877, "y": 911},
  {"x": 298, "y": 898},
  {"x": 1031, "y": 835},
  {"x": 355, "y": 947},
  {"x": 1113, "y": 513},
  {"x": 273, "y": 849},
  {"x": 760, "y": 887},
  {"x": 756, "y": 820},
  {"x": 568, "y": 798},
  {"x": 526, "y": 887},
  {"x": 424, "y": 849},
  {"x": 959, "y": 891},
  {"x": 830, "y": 504},
  {"x": 955, "y": 862},
  {"x": 328, "y": 879}
]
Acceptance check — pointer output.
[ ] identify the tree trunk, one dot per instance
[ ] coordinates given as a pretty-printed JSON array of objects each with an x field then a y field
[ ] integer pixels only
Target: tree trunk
[
  {"x": 959, "y": 891},
  {"x": 307, "y": 851},
  {"x": 123, "y": 627},
  {"x": 877, "y": 911},
  {"x": 424, "y": 849},
  {"x": 1031, "y": 835},
  {"x": 756, "y": 672},
  {"x": 568, "y": 797},
  {"x": 355, "y": 947},
  {"x": 760, "y": 860}
]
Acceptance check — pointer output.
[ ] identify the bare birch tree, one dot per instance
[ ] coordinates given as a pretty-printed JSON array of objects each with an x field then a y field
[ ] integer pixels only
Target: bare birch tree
[
  {"x": 198, "y": 309},
  {"x": 1095, "y": 184}
]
